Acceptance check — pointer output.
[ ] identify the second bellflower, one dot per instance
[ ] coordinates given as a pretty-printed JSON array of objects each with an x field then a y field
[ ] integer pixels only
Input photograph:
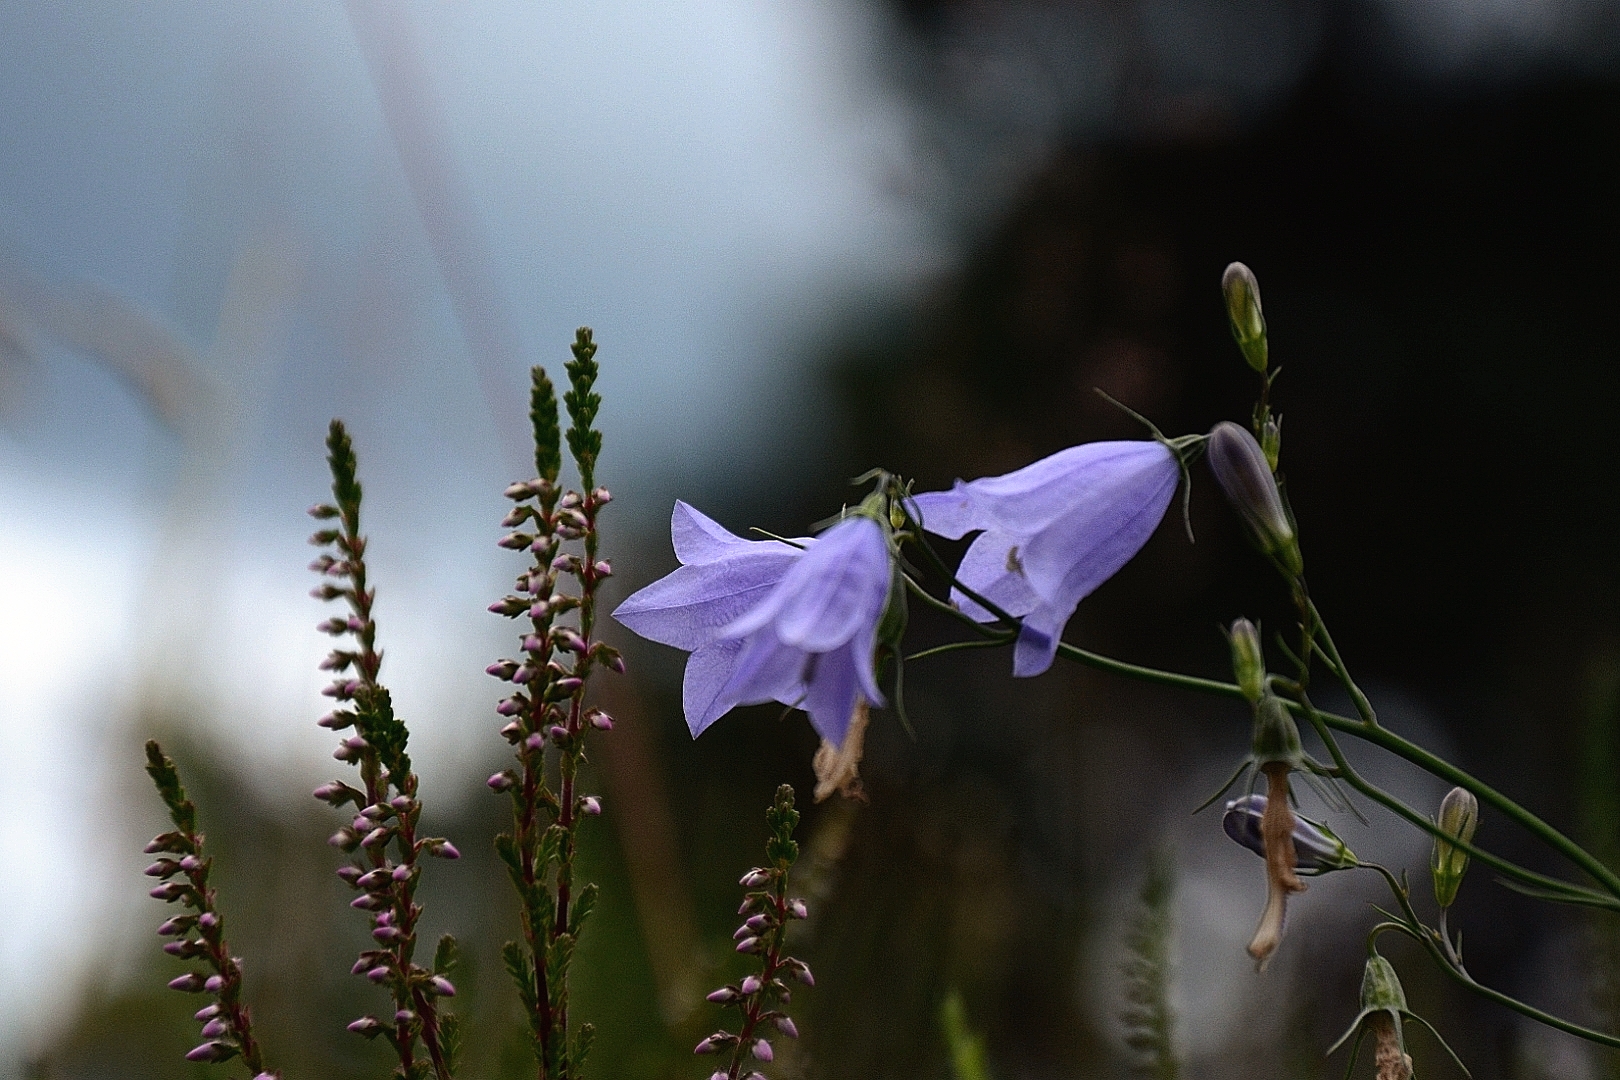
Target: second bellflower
[
  {"x": 1051, "y": 532},
  {"x": 767, "y": 621}
]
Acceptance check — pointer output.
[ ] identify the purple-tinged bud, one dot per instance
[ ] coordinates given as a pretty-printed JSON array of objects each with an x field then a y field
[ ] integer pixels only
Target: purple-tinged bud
[
  {"x": 762, "y": 1050},
  {"x": 337, "y": 624},
  {"x": 799, "y": 970},
  {"x": 503, "y": 670},
  {"x": 512, "y": 732},
  {"x": 535, "y": 741},
  {"x": 748, "y": 945},
  {"x": 591, "y": 805},
  {"x": 515, "y": 541},
  {"x": 444, "y": 849},
  {"x": 369, "y": 1026},
  {"x": 1243, "y": 310},
  {"x": 509, "y": 706},
  {"x": 321, "y": 537},
  {"x": 742, "y": 931},
  {"x": 442, "y": 986},
  {"x": 518, "y": 491},
  {"x": 362, "y": 965},
  {"x": 376, "y": 836},
  {"x": 1316, "y": 849},
  {"x": 214, "y": 984},
  {"x": 756, "y": 923},
  {"x": 184, "y": 949},
  {"x": 402, "y": 803},
  {"x": 386, "y": 934},
  {"x": 524, "y": 674},
  {"x": 385, "y": 919},
  {"x": 533, "y": 643},
  {"x": 177, "y": 925},
  {"x": 558, "y": 733},
  {"x": 163, "y": 868},
  {"x": 169, "y": 841},
  {"x": 189, "y": 983},
  {"x": 373, "y": 880},
  {"x": 323, "y": 512},
  {"x": 600, "y": 720},
  {"x": 614, "y": 661},
  {"x": 369, "y": 902},
  {"x": 215, "y": 1028},
  {"x": 403, "y": 872},
  {"x": 603, "y": 569},
  {"x": 797, "y": 910},
  {"x": 375, "y": 812},
  {"x": 327, "y": 592},
  {"x": 190, "y": 863},
  {"x": 208, "y": 1012},
  {"x": 570, "y": 501},
  {"x": 502, "y": 781},
  {"x": 722, "y": 996},
  {"x": 350, "y": 874},
  {"x": 1240, "y": 466},
  {"x": 336, "y": 721},
  {"x": 751, "y": 903},
  {"x": 211, "y": 1051},
  {"x": 719, "y": 1074},
  {"x": 510, "y": 606},
  {"x": 755, "y": 878},
  {"x": 207, "y": 920},
  {"x": 715, "y": 1043},
  {"x": 785, "y": 1025},
  {"x": 751, "y": 985},
  {"x": 380, "y": 973},
  {"x": 568, "y": 640},
  {"x": 515, "y": 517},
  {"x": 334, "y": 791},
  {"x": 405, "y": 1017},
  {"x": 601, "y": 496},
  {"x": 170, "y": 891},
  {"x": 567, "y": 685},
  {"x": 539, "y": 610}
]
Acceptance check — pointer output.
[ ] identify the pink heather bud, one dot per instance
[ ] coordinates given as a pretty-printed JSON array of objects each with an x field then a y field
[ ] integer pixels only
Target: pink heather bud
[
  {"x": 510, "y": 606},
  {"x": 591, "y": 805},
  {"x": 719, "y": 1074},
  {"x": 169, "y": 891},
  {"x": 536, "y": 741},
  {"x": 336, "y": 721},
  {"x": 515, "y": 541},
  {"x": 323, "y": 512},
  {"x": 176, "y": 926},
  {"x": 538, "y": 611},
  {"x": 375, "y": 879},
  {"x": 163, "y": 868},
  {"x": 375, "y": 812},
  {"x": 748, "y": 945},
  {"x": 402, "y": 803},
  {"x": 515, "y": 517},
  {"x": 797, "y": 910},
  {"x": 571, "y": 500},
  {"x": 756, "y": 923},
  {"x": 558, "y": 732},
  {"x": 567, "y": 639},
  {"x": 207, "y": 920},
  {"x": 762, "y": 1050},
  {"x": 368, "y": 1026},
  {"x": 800, "y": 970},
  {"x": 189, "y": 983},
  {"x": 360, "y": 824},
  {"x": 533, "y": 643},
  {"x": 215, "y": 1028},
  {"x": 755, "y": 878},
  {"x": 751, "y": 985},
  {"x": 517, "y": 491},
  {"x": 600, "y": 720},
  {"x": 369, "y": 902},
  {"x": 386, "y": 934},
  {"x": 211, "y": 1051},
  {"x": 214, "y": 984},
  {"x": 337, "y": 624},
  {"x": 715, "y": 1043},
  {"x": 603, "y": 569},
  {"x": 524, "y": 674},
  {"x": 442, "y": 986},
  {"x": 404, "y": 1017},
  {"x": 743, "y": 931},
  {"x": 333, "y": 792},
  {"x": 378, "y": 974},
  {"x": 601, "y": 496},
  {"x": 376, "y": 836},
  {"x": 190, "y": 864},
  {"x": 326, "y": 592},
  {"x": 501, "y": 781},
  {"x": 403, "y": 872},
  {"x": 509, "y": 707},
  {"x": 567, "y": 685},
  {"x": 723, "y": 995},
  {"x": 444, "y": 849},
  {"x": 166, "y": 842},
  {"x": 345, "y": 838},
  {"x": 349, "y": 874},
  {"x": 512, "y": 732},
  {"x": 385, "y": 919},
  {"x": 785, "y": 1025},
  {"x": 324, "y": 536},
  {"x": 615, "y": 662},
  {"x": 503, "y": 670},
  {"x": 208, "y": 1012},
  {"x": 749, "y": 903}
]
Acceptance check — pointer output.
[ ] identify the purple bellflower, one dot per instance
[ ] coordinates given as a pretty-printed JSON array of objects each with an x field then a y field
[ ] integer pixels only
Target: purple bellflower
[
  {"x": 767, "y": 621},
  {"x": 1316, "y": 849},
  {"x": 1051, "y": 532}
]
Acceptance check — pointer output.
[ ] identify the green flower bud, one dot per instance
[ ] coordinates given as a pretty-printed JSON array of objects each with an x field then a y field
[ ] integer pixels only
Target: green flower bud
[
  {"x": 1248, "y": 662},
  {"x": 1459, "y": 817},
  {"x": 1276, "y": 736},
  {"x": 1243, "y": 309}
]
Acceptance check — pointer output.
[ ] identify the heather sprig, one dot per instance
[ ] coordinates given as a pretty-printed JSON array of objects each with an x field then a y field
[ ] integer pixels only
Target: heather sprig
[
  {"x": 546, "y": 708},
  {"x": 382, "y": 838},
  {"x": 762, "y": 996},
  {"x": 200, "y": 933}
]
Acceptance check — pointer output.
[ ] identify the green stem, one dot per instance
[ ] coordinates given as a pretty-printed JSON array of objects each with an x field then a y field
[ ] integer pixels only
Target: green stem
[{"x": 1330, "y": 652}]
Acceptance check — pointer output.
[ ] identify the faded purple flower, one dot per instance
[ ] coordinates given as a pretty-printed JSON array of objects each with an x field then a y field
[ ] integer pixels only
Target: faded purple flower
[
  {"x": 1315, "y": 847},
  {"x": 767, "y": 621},
  {"x": 1051, "y": 532}
]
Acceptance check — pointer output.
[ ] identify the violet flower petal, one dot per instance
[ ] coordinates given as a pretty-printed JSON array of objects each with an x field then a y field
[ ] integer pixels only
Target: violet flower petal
[
  {"x": 696, "y": 603},
  {"x": 838, "y": 586}
]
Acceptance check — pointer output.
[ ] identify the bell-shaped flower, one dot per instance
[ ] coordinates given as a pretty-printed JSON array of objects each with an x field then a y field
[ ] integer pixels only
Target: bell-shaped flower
[
  {"x": 767, "y": 621},
  {"x": 1051, "y": 532},
  {"x": 1317, "y": 849}
]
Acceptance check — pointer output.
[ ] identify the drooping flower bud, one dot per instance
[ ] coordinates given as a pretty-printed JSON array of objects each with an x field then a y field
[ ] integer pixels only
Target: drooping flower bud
[
  {"x": 1248, "y": 662},
  {"x": 1316, "y": 849},
  {"x": 1383, "y": 1007},
  {"x": 1243, "y": 309},
  {"x": 1459, "y": 817},
  {"x": 1241, "y": 468}
]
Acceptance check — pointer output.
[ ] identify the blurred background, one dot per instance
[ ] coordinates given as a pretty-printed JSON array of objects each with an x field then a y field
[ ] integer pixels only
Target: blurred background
[{"x": 812, "y": 236}]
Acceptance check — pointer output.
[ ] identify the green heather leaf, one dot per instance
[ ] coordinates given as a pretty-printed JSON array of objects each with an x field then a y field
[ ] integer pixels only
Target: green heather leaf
[
  {"x": 521, "y": 968},
  {"x": 450, "y": 1039},
  {"x": 583, "y": 1038},
  {"x": 582, "y": 908},
  {"x": 446, "y": 956}
]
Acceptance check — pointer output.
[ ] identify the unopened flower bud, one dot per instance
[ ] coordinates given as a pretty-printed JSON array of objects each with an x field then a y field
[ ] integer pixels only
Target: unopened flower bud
[
  {"x": 380, "y": 973},
  {"x": 1240, "y": 467},
  {"x": 442, "y": 986},
  {"x": 591, "y": 805},
  {"x": 797, "y": 909},
  {"x": 1459, "y": 817},
  {"x": 177, "y": 925},
  {"x": 785, "y": 1025},
  {"x": 1243, "y": 309},
  {"x": 444, "y": 849},
  {"x": 405, "y": 1017},
  {"x": 1316, "y": 848},
  {"x": 1248, "y": 662},
  {"x": 211, "y": 1051},
  {"x": 163, "y": 868},
  {"x": 215, "y": 1028},
  {"x": 189, "y": 983},
  {"x": 722, "y": 996},
  {"x": 504, "y": 670},
  {"x": 755, "y": 878},
  {"x": 214, "y": 984},
  {"x": 501, "y": 781},
  {"x": 600, "y": 720},
  {"x": 207, "y": 921},
  {"x": 169, "y": 891},
  {"x": 762, "y": 1050},
  {"x": 369, "y": 1026},
  {"x": 748, "y": 945},
  {"x": 751, "y": 985},
  {"x": 208, "y": 1012},
  {"x": 756, "y": 923}
]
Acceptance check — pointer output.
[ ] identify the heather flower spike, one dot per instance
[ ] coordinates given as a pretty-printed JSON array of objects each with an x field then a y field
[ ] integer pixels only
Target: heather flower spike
[
  {"x": 1383, "y": 1007},
  {"x": 1051, "y": 532},
  {"x": 766, "y": 620}
]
